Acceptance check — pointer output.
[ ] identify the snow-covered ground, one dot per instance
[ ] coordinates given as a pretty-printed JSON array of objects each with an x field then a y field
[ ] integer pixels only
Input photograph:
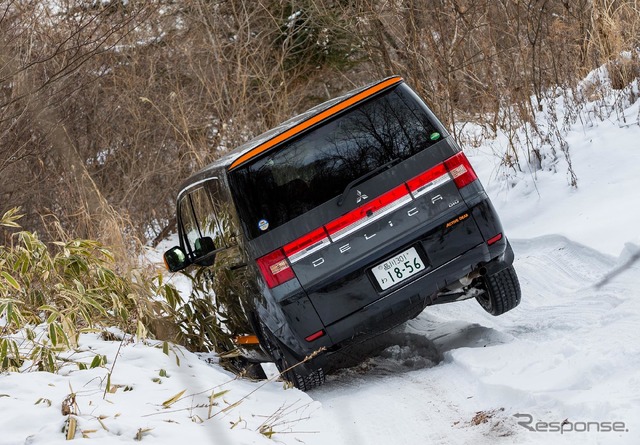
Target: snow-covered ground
[{"x": 567, "y": 358}]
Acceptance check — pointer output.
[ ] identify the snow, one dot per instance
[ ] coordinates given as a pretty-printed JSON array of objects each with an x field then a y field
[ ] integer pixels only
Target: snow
[
  {"x": 455, "y": 374},
  {"x": 568, "y": 352},
  {"x": 600, "y": 212}
]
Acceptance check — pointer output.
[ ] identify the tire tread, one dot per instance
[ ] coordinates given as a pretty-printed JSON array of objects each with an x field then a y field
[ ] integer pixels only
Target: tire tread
[{"x": 503, "y": 290}]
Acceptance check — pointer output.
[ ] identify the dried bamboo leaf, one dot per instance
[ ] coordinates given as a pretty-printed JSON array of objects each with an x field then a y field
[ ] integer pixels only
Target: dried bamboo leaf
[{"x": 174, "y": 399}]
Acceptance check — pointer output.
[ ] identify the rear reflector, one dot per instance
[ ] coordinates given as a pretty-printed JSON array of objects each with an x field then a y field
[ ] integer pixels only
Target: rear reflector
[
  {"x": 495, "y": 239},
  {"x": 315, "y": 336},
  {"x": 366, "y": 214},
  {"x": 461, "y": 170},
  {"x": 275, "y": 268}
]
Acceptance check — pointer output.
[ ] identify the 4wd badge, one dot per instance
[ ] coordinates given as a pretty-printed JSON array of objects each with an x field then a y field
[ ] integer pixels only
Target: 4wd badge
[{"x": 360, "y": 196}]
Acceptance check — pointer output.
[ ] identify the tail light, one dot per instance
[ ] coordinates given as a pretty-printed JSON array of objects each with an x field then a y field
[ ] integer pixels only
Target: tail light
[
  {"x": 367, "y": 213},
  {"x": 494, "y": 239},
  {"x": 429, "y": 180},
  {"x": 275, "y": 268},
  {"x": 315, "y": 336},
  {"x": 460, "y": 170},
  {"x": 306, "y": 245}
]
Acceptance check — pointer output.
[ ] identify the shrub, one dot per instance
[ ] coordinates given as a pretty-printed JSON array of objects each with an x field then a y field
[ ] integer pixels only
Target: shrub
[
  {"x": 213, "y": 314},
  {"x": 50, "y": 293}
]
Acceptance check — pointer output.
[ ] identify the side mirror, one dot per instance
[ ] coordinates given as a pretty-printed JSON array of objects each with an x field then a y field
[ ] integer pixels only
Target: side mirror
[
  {"x": 204, "y": 251},
  {"x": 175, "y": 259}
]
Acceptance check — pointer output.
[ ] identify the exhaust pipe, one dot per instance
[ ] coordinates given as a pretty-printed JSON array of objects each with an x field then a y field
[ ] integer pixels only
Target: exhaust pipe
[{"x": 468, "y": 279}]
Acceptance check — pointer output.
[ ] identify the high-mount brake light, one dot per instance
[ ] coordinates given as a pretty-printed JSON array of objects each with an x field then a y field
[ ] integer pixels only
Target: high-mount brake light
[
  {"x": 275, "y": 268},
  {"x": 366, "y": 214},
  {"x": 461, "y": 170}
]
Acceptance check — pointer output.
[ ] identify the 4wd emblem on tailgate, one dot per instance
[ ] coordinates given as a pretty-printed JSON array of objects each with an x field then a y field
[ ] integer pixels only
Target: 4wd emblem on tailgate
[{"x": 360, "y": 196}]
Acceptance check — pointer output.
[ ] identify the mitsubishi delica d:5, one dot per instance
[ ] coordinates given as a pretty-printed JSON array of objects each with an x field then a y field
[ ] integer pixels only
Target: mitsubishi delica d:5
[{"x": 346, "y": 221}]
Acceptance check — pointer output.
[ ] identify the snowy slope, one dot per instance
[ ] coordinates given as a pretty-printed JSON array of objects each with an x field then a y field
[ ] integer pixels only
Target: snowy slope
[
  {"x": 455, "y": 374},
  {"x": 568, "y": 352},
  {"x": 601, "y": 211}
]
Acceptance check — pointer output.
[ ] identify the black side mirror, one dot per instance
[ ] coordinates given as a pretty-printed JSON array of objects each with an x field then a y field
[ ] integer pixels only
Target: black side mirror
[
  {"x": 175, "y": 259},
  {"x": 204, "y": 251}
]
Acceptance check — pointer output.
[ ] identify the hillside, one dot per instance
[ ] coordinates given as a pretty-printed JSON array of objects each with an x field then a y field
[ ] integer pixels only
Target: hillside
[{"x": 568, "y": 356}]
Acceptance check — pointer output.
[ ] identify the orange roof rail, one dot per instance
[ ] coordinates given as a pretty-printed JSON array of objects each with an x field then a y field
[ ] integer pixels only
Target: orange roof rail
[{"x": 331, "y": 111}]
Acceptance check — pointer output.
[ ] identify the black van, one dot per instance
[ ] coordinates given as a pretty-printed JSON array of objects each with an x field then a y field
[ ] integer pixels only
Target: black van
[{"x": 346, "y": 221}]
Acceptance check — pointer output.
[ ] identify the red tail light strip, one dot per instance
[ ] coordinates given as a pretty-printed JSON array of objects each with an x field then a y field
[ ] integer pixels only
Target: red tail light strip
[
  {"x": 429, "y": 180},
  {"x": 368, "y": 213},
  {"x": 307, "y": 245}
]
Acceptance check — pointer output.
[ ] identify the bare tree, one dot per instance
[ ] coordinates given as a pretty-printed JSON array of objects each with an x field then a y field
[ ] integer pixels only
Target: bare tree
[{"x": 105, "y": 107}]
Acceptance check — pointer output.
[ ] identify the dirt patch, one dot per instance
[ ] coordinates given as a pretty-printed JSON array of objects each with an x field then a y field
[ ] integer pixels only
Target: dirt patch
[{"x": 484, "y": 416}]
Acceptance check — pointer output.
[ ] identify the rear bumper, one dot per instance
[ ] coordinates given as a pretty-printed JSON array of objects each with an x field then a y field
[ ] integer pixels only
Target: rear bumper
[
  {"x": 347, "y": 336},
  {"x": 401, "y": 305}
]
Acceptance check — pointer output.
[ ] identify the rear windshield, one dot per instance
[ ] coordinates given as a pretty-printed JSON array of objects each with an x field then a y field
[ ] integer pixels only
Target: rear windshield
[{"x": 308, "y": 171}]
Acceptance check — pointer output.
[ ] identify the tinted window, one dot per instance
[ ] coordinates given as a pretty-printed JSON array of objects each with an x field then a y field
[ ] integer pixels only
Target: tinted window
[{"x": 316, "y": 167}]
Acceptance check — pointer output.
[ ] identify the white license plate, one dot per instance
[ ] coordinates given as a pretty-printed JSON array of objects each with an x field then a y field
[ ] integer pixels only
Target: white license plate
[{"x": 398, "y": 268}]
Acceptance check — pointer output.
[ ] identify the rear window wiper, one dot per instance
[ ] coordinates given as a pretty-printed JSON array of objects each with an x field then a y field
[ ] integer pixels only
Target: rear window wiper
[{"x": 364, "y": 177}]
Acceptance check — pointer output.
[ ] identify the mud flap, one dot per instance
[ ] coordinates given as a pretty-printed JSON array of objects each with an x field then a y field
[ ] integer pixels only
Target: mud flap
[{"x": 502, "y": 262}]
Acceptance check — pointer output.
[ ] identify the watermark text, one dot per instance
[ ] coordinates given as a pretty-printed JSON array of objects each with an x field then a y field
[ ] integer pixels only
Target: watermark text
[{"x": 565, "y": 426}]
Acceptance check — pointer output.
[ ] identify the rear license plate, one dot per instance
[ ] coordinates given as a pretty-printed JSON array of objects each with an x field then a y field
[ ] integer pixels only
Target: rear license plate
[{"x": 398, "y": 268}]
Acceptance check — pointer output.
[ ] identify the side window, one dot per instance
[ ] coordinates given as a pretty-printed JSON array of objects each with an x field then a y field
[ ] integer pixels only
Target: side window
[
  {"x": 222, "y": 208},
  {"x": 189, "y": 227},
  {"x": 198, "y": 219}
]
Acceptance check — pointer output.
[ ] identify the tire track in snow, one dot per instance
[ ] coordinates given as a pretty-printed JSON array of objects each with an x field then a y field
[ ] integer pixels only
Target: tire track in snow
[{"x": 569, "y": 351}]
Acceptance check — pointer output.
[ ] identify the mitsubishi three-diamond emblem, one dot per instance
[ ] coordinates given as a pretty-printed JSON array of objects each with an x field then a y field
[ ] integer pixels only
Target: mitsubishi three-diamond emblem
[{"x": 360, "y": 197}]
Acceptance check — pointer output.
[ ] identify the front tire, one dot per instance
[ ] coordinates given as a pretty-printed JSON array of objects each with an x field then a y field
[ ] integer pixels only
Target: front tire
[{"x": 501, "y": 292}]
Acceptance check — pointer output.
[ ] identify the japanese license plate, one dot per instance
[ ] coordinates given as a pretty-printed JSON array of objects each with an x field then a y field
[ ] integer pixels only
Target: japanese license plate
[{"x": 398, "y": 268}]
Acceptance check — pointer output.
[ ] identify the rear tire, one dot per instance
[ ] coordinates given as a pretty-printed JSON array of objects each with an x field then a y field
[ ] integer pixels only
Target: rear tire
[
  {"x": 305, "y": 383},
  {"x": 312, "y": 380},
  {"x": 502, "y": 292}
]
